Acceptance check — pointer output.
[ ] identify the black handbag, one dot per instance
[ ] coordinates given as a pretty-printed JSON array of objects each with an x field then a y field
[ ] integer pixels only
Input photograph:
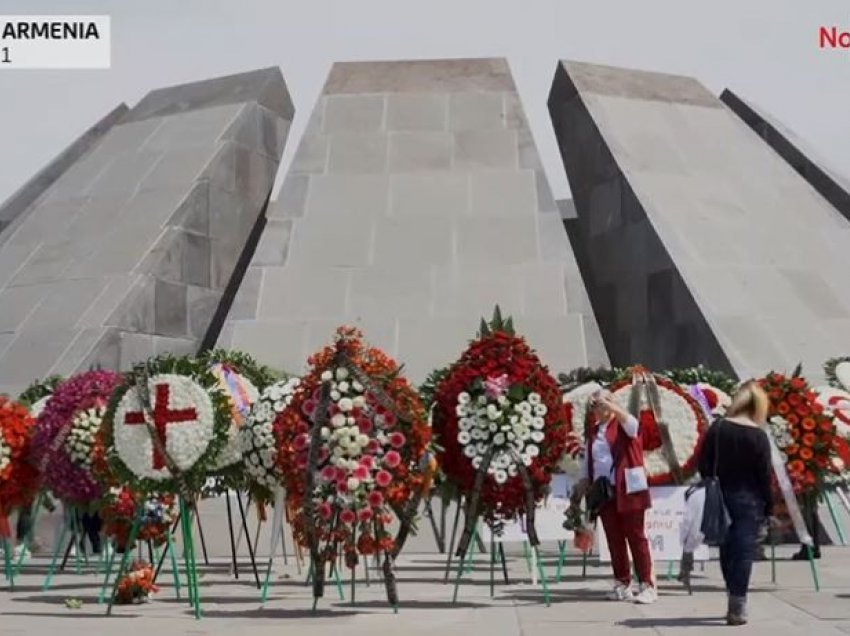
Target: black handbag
[
  {"x": 600, "y": 493},
  {"x": 715, "y": 515}
]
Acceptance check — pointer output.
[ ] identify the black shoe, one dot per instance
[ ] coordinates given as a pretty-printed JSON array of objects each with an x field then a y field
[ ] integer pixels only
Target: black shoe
[
  {"x": 803, "y": 554},
  {"x": 737, "y": 611}
]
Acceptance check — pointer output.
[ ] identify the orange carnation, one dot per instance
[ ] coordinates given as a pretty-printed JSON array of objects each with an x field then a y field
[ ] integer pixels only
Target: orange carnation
[
  {"x": 806, "y": 454},
  {"x": 783, "y": 408},
  {"x": 808, "y": 423}
]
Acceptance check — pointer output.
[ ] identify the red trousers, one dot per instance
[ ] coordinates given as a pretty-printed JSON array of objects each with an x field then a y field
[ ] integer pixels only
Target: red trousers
[{"x": 626, "y": 532}]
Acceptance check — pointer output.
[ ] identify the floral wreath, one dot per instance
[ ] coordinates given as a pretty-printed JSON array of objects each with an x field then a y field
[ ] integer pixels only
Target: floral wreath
[
  {"x": 19, "y": 478},
  {"x": 804, "y": 431},
  {"x": 120, "y": 508},
  {"x": 837, "y": 372},
  {"x": 65, "y": 440},
  {"x": 241, "y": 379},
  {"x": 137, "y": 585},
  {"x": 36, "y": 396},
  {"x": 684, "y": 417},
  {"x": 187, "y": 414},
  {"x": 702, "y": 376},
  {"x": 363, "y": 468},
  {"x": 716, "y": 400},
  {"x": 499, "y": 401},
  {"x": 257, "y": 439}
]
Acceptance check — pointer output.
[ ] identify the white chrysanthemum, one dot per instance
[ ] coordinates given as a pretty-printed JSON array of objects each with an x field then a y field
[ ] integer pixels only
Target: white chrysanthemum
[
  {"x": 341, "y": 373},
  {"x": 5, "y": 454}
]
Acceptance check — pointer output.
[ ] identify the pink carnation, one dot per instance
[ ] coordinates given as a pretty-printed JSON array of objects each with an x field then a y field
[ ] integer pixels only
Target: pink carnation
[
  {"x": 375, "y": 498},
  {"x": 368, "y": 461},
  {"x": 397, "y": 439},
  {"x": 392, "y": 459},
  {"x": 309, "y": 407},
  {"x": 325, "y": 510},
  {"x": 347, "y": 516},
  {"x": 365, "y": 514},
  {"x": 364, "y": 425},
  {"x": 383, "y": 478},
  {"x": 361, "y": 473},
  {"x": 342, "y": 486},
  {"x": 329, "y": 473},
  {"x": 301, "y": 442}
]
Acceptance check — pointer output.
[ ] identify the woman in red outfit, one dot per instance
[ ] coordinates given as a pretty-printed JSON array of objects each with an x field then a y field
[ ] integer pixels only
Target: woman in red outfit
[{"x": 614, "y": 480}]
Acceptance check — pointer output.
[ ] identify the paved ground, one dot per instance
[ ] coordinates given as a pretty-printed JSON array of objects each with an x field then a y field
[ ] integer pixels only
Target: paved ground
[{"x": 790, "y": 607}]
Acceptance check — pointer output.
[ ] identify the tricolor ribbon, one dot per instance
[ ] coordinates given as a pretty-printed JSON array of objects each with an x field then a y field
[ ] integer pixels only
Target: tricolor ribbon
[{"x": 787, "y": 491}]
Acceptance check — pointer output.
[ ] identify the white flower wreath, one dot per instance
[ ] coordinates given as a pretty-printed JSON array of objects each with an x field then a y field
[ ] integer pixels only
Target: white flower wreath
[
  {"x": 513, "y": 427},
  {"x": 256, "y": 438},
  {"x": 80, "y": 442},
  {"x": 836, "y": 403},
  {"x": 183, "y": 416},
  {"x": 678, "y": 414}
]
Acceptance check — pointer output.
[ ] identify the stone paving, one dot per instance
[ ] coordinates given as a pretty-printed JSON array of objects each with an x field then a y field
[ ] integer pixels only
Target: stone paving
[{"x": 577, "y": 606}]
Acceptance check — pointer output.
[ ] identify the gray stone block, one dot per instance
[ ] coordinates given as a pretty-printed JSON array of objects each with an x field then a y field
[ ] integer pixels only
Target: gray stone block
[
  {"x": 201, "y": 305},
  {"x": 18, "y": 303},
  {"x": 311, "y": 156},
  {"x": 289, "y": 353},
  {"x": 65, "y": 304},
  {"x": 358, "y": 196},
  {"x": 378, "y": 330},
  {"x": 170, "y": 309},
  {"x": 475, "y": 149},
  {"x": 469, "y": 111},
  {"x": 193, "y": 214},
  {"x": 347, "y": 243},
  {"x": 224, "y": 254},
  {"x": 174, "y": 346},
  {"x": 47, "y": 264},
  {"x": 545, "y": 199},
  {"x": 543, "y": 289},
  {"x": 80, "y": 351},
  {"x": 474, "y": 291},
  {"x": 420, "y": 76},
  {"x": 244, "y": 305},
  {"x": 419, "y": 151},
  {"x": 203, "y": 127},
  {"x": 429, "y": 343},
  {"x": 225, "y": 213},
  {"x": 33, "y": 353},
  {"x": 134, "y": 348},
  {"x": 273, "y": 247},
  {"x": 503, "y": 193},
  {"x": 434, "y": 193},
  {"x": 12, "y": 258},
  {"x": 414, "y": 240},
  {"x": 504, "y": 241},
  {"x": 417, "y": 111},
  {"x": 292, "y": 198},
  {"x": 403, "y": 290},
  {"x": 353, "y": 114},
  {"x": 358, "y": 153},
  {"x": 303, "y": 293},
  {"x": 176, "y": 168},
  {"x": 136, "y": 312},
  {"x": 112, "y": 292},
  {"x": 121, "y": 179}
]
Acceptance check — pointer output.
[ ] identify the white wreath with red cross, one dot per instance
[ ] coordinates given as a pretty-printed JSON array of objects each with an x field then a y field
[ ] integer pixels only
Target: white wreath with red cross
[{"x": 183, "y": 417}]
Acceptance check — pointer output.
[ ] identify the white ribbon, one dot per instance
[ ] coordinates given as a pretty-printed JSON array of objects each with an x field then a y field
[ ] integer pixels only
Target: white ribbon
[{"x": 788, "y": 493}]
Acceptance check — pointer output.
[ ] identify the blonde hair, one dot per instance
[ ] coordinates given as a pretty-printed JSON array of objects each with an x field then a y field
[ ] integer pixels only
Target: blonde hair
[{"x": 750, "y": 400}]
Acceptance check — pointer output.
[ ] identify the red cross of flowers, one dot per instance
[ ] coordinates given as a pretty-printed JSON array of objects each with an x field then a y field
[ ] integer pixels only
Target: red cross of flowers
[{"x": 162, "y": 417}]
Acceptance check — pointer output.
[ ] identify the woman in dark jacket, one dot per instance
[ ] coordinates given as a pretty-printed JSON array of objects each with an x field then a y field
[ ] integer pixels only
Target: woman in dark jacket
[{"x": 737, "y": 451}]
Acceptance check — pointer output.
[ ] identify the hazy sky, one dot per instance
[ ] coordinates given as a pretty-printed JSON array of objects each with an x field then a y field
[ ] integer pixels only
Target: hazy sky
[{"x": 764, "y": 49}]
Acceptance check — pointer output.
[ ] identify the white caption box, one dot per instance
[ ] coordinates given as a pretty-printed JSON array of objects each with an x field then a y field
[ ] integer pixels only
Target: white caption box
[{"x": 55, "y": 42}]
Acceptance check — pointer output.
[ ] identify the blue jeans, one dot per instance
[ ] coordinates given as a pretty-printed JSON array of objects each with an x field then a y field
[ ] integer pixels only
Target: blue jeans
[{"x": 746, "y": 509}]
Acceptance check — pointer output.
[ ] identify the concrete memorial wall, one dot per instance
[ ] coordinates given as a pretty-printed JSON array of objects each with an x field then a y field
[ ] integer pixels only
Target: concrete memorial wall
[
  {"x": 699, "y": 243},
  {"x": 416, "y": 202},
  {"x": 130, "y": 251}
]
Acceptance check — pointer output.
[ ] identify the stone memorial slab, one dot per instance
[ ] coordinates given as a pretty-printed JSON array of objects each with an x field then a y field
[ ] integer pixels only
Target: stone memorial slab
[
  {"x": 416, "y": 202},
  {"x": 833, "y": 186},
  {"x": 131, "y": 249},
  {"x": 698, "y": 242}
]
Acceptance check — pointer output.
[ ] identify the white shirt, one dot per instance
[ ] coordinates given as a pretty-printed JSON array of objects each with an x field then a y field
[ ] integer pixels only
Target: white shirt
[{"x": 600, "y": 450}]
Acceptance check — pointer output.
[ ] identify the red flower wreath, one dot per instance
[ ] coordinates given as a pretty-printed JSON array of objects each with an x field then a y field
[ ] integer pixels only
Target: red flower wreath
[
  {"x": 501, "y": 371},
  {"x": 803, "y": 430},
  {"x": 19, "y": 478},
  {"x": 685, "y": 419},
  {"x": 368, "y": 453}
]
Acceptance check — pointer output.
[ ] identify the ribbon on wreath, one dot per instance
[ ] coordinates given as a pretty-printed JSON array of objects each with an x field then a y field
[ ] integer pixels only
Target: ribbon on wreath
[
  {"x": 239, "y": 397},
  {"x": 644, "y": 383},
  {"x": 5, "y": 529}
]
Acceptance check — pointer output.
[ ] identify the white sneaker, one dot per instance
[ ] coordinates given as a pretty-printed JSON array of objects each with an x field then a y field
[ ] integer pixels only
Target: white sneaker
[
  {"x": 621, "y": 593},
  {"x": 22, "y": 549},
  {"x": 647, "y": 594}
]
